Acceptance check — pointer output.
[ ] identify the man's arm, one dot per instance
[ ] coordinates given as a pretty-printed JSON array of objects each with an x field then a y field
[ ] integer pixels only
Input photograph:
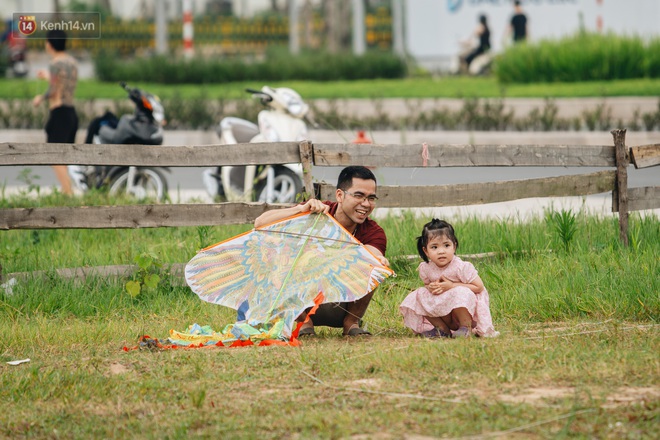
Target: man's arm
[
  {"x": 268, "y": 217},
  {"x": 378, "y": 255},
  {"x": 43, "y": 74}
]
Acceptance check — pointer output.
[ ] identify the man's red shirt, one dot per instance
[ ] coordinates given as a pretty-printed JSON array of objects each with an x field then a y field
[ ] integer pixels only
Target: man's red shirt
[{"x": 368, "y": 232}]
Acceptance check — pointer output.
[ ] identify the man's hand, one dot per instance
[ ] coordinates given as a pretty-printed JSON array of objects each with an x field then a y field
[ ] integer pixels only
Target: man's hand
[
  {"x": 314, "y": 205},
  {"x": 383, "y": 260},
  {"x": 37, "y": 100},
  {"x": 43, "y": 74}
]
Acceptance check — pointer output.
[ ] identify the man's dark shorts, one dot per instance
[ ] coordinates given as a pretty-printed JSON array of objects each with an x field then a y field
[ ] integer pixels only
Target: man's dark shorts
[
  {"x": 62, "y": 125},
  {"x": 330, "y": 315}
]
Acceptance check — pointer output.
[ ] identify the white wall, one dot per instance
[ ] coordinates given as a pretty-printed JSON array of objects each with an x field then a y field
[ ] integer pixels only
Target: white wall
[{"x": 434, "y": 28}]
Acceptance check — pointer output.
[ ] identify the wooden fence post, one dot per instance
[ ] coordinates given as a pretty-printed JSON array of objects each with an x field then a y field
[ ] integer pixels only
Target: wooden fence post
[
  {"x": 306, "y": 158},
  {"x": 622, "y": 161}
]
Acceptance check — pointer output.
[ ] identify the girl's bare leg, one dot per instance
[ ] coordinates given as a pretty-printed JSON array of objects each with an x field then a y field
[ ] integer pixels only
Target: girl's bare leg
[
  {"x": 462, "y": 317},
  {"x": 464, "y": 320},
  {"x": 451, "y": 321},
  {"x": 439, "y": 323}
]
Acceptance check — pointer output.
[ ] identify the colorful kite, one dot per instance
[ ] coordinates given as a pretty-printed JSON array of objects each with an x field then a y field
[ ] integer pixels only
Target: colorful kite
[{"x": 278, "y": 271}]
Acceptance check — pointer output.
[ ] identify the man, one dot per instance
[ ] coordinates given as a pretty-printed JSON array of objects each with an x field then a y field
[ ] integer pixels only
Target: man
[
  {"x": 356, "y": 199},
  {"x": 518, "y": 25},
  {"x": 62, "y": 122}
]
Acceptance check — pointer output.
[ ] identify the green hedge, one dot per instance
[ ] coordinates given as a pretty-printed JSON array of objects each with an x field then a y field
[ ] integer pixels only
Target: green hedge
[
  {"x": 277, "y": 67},
  {"x": 580, "y": 57}
]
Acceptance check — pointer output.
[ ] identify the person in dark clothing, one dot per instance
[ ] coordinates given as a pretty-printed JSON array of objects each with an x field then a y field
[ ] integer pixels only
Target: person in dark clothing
[
  {"x": 518, "y": 25},
  {"x": 483, "y": 34}
]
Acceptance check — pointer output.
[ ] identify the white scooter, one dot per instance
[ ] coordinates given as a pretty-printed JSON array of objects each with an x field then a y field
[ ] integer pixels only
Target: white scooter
[
  {"x": 479, "y": 66},
  {"x": 281, "y": 121}
]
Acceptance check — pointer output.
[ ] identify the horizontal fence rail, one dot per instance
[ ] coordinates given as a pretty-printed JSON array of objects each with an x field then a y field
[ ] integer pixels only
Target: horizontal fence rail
[
  {"x": 149, "y": 155},
  {"x": 640, "y": 199},
  {"x": 646, "y": 156},
  {"x": 323, "y": 155},
  {"x": 133, "y": 216},
  {"x": 492, "y": 192},
  {"x": 464, "y": 155}
]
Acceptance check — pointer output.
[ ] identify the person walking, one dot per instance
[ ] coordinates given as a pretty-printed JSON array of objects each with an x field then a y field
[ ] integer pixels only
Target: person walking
[{"x": 62, "y": 77}]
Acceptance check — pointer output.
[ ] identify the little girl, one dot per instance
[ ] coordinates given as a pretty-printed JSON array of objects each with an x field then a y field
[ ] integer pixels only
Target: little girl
[{"x": 453, "y": 297}]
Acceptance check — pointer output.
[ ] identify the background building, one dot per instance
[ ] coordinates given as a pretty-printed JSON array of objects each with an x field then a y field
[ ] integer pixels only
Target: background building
[{"x": 430, "y": 31}]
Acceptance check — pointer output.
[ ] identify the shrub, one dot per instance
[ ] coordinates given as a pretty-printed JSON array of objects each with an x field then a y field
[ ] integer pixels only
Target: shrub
[
  {"x": 580, "y": 57},
  {"x": 653, "y": 59},
  {"x": 278, "y": 66}
]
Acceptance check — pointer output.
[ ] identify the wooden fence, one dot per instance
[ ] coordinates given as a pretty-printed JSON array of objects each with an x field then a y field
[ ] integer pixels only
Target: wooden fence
[{"x": 616, "y": 157}]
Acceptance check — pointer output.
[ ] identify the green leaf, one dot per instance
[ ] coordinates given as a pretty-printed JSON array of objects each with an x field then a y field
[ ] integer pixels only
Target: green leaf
[
  {"x": 144, "y": 261},
  {"x": 151, "y": 281},
  {"x": 133, "y": 288}
]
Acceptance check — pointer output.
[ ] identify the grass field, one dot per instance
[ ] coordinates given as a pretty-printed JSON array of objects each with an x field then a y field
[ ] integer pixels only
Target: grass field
[
  {"x": 577, "y": 356},
  {"x": 441, "y": 87}
]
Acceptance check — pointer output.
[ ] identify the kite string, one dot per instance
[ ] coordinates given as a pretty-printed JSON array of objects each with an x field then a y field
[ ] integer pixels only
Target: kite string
[
  {"x": 295, "y": 234},
  {"x": 288, "y": 275}
]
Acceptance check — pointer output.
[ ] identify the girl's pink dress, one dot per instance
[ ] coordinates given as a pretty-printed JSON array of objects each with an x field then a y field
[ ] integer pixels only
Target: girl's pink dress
[{"x": 421, "y": 302}]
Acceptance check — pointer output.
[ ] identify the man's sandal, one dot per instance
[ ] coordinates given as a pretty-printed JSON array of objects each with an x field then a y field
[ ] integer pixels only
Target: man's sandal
[
  {"x": 307, "y": 332},
  {"x": 357, "y": 331}
]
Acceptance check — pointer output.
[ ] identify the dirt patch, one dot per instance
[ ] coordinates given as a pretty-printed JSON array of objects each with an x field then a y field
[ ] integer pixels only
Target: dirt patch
[
  {"x": 118, "y": 368},
  {"x": 533, "y": 395},
  {"x": 367, "y": 383},
  {"x": 618, "y": 397},
  {"x": 632, "y": 395}
]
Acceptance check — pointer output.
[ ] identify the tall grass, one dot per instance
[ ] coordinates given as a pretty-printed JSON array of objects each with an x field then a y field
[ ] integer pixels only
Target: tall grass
[
  {"x": 579, "y": 57},
  {"x": 566, "y": 266}
]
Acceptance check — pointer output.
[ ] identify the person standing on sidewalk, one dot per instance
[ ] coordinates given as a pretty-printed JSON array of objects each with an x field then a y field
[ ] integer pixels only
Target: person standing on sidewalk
[
  {"x": 62, "y": 76},
  {"x": 518, "y": 24}
]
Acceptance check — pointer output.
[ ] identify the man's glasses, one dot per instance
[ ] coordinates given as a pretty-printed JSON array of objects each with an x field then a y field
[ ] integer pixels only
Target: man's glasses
[{"x": 361, "y": 197}]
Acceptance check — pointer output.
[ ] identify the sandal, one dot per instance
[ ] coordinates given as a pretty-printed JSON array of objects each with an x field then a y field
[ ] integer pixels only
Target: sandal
[
  {"x": 307, "y": 332},
  {"x": 434, "y": 333},
  {"x": 355, "y": 330},
  {"x": 462, "y": 332}
]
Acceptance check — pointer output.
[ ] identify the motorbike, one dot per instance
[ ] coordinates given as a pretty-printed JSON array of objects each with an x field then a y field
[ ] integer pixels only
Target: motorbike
[
  {"x": 283, "y": 120},
  {"x": 14, "y": 50},
  {"x": 144, "y": 127},
  {"x": 479, "y": 66}
]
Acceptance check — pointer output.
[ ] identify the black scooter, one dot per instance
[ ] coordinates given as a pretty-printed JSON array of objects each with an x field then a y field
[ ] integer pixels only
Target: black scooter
[{"x": 143, "y": 127}]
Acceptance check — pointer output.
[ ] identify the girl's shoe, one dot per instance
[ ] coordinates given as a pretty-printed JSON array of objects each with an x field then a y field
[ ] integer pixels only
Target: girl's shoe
[
  {"x": 434, "y": 333},
  {"x": 462, "y": 332}
]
